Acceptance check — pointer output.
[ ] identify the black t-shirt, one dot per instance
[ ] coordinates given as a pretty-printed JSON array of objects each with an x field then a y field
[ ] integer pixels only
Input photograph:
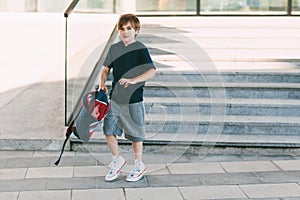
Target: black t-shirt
[{"x": 128, "y": 62}]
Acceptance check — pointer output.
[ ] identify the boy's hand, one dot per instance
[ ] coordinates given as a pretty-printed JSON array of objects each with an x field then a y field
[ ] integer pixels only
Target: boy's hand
[
  {"x": 104, "y": 88},
  {"x": 126, "y": 82}
]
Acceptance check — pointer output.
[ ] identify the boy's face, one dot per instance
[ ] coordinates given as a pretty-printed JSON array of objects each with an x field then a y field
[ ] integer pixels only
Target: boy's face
[{"x": 127, "y": 33}]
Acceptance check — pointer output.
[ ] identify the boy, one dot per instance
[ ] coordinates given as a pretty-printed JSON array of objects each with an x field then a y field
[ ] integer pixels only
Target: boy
[{"x": 132, "y": 66}]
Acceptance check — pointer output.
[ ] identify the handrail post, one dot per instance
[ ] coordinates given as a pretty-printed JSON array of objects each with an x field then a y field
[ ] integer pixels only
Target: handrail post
[
  {"x": 67, "y": 13},
  {"x": 114, "y": 10},
  {"x": 198, "y": 7},
  {"x": 289, "y": 7},
  {"x": 66, "y": 69}
]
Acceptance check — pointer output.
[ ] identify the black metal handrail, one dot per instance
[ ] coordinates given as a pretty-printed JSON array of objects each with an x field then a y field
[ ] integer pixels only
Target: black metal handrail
[{"x": 70, "y": 8}]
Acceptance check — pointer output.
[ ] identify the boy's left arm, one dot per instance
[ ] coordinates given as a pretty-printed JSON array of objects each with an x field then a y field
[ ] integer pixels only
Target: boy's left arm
[{"x": 141, "y": 78}]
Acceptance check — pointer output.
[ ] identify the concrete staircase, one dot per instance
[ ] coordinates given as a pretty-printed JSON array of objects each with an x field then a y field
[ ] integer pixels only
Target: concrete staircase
[
  {"x": 257, "y": 106},
  {"x": 221, "y": 83}
]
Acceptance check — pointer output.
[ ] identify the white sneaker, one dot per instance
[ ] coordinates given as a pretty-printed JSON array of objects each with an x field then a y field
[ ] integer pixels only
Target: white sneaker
[
  {"x": 116, "y": 166},
  {"x": 137, "y": 173}
]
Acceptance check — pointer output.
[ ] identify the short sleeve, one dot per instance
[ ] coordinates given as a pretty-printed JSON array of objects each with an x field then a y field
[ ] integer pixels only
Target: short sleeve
[
  {"x": 108, "y": 62},
  {"x": 146, "y": 59}
]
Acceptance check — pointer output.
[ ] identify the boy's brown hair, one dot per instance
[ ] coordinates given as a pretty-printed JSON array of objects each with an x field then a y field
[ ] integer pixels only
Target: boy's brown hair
[{"x": 135, "y": 22}]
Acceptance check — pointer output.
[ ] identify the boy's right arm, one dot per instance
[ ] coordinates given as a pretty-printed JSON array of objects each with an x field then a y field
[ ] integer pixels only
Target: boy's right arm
[{"x": 103, "y": 77}]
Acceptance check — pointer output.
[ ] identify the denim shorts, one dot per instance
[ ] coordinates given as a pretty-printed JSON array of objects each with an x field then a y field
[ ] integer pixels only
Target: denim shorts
[{"x": 126, "y": 118}]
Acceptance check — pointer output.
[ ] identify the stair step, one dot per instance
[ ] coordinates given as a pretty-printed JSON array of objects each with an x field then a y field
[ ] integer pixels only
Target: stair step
[
  {"x": 227, "y": 124},
  {"x": 209, "y": 106},
  {"x": 222, "y": 118},
  {"x": 185, "y": 84},
  {"x": 179, "y": 84},
  {"x": 228, "y": 101},
  {"x": 241, "y": 144},
  {"x": 224, "y": 90},
  {"x": 211, "y": 139},
  {"x": 202, "y": 76},
  {"x": 194, "y": 75}
]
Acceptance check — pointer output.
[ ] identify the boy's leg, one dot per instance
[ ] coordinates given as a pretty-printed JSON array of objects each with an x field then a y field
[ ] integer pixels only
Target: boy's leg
[
  {"x": 112, "y": 142},
  {"x": 132, "y": 118},
  {"x": 111, "y": 130},
  {"x": 137, "y": 148},
  {"x": 118, "y": 162},
  {"x": 137, "y": 173}
]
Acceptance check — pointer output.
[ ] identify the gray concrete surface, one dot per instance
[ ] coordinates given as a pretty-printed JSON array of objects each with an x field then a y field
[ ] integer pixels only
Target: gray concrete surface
[{"x": 32, "y": 175}]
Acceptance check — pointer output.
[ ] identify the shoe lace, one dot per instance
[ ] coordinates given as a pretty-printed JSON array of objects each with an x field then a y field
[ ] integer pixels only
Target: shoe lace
[
  {"x": 113, "y": 165},
  {"x": 136, "y": 169}
]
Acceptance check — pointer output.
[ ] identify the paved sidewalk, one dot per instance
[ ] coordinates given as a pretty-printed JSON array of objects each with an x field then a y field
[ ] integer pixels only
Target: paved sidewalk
[{"x": 31, "y": 175}]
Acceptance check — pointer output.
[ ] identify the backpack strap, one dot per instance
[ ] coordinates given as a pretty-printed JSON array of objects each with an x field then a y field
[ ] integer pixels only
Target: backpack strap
[{"x": 69, "y": 131}]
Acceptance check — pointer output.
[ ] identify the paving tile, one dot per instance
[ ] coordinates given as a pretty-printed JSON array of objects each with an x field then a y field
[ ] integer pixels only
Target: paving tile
[
  {"x": 120, "y": 183},
  {"x": 104, "y": 159},
  {"x": 152, "y": 169},
  {"x": 153, "y": 193},
  {"x": 271, "y": 190},
  {"x": 96, "y": 194},
  {"x": 76, "y": 161},
  {"x": 229, "y": 178},
  {"x": 173, "y": 180},
  {"x": 266, "y": 157},
  {"x": 213, "y": 158},
  {"x": 71, "y": 183},
  {"x": 12, "y": 173},
  {"x": 155, "y": 158},
  {"x": 9, "y": 195},
  {"x": 54, "y": 154},
  {"x": 287, "y": 165},
  {"x": 273, "y": 198},
  {"x": 249, "y": 166},
  {"x": 195, "y": 168},
  {"x": 15, "y": 185},
  {"x": 15, "y": 154},
  {"x": 211, "y": 192},
  {"x": 90, "y": 171},
  {"x": 50, "y": 172},
  {"x": 279, "y": 177},
  {"x": 156, "y": 169},
  {"x": 90, "y": 153},
  {"x": 45, "y": 195},
  {"x": 28, "y": 162}
]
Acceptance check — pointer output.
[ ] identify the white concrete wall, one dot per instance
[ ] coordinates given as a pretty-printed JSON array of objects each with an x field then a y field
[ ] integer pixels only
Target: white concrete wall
[{"x": 32, "y": 45}]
